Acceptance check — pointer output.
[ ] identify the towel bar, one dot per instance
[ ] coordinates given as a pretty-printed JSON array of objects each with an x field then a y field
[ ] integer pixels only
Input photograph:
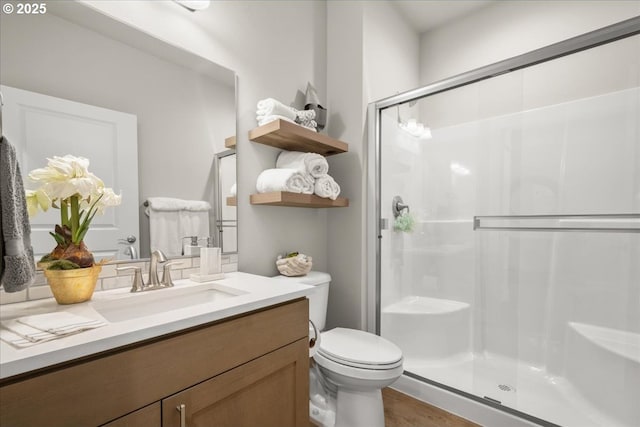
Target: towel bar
[{"x": 479, "y": 222}]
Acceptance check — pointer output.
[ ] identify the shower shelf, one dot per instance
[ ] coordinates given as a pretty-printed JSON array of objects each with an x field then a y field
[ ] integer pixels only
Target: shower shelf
[
  {"x": 290, "y": 136},
  {"x": 232, "y": 201},
  {"x": 285, "y": 198}
]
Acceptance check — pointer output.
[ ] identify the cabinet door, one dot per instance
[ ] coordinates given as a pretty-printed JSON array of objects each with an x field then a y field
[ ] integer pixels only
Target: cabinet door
[
  {"x": 272, "y": 390},
  {"x": 149, "y": 416}
]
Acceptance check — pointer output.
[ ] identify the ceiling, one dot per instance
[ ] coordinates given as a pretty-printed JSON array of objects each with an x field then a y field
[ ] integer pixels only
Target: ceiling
[{"x": 425, "y": 15}]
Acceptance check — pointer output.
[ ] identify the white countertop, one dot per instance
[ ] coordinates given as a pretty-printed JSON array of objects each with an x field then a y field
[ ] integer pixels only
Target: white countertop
[{"x": 256, "y": 292}]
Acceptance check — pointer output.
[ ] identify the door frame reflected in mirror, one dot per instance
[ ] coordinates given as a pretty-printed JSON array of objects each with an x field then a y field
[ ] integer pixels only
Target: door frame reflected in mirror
[{"x": 219, "y": 221}]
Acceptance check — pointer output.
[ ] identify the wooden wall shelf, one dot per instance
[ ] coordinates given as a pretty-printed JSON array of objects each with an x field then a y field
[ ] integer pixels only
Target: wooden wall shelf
[
  {"x": 290, "y": 136},
  {"x": 284, "y": 198},
  {"x": 232, "y": 201},
  {"x": 230, "y": 142}
]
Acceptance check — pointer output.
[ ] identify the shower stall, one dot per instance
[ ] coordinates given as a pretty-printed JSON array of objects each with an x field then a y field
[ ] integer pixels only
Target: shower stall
[{"x": 505, "y": 224}]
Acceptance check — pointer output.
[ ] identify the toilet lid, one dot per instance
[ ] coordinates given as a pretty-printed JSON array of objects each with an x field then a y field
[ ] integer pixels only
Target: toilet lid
[{"x": 359, "y": 348}]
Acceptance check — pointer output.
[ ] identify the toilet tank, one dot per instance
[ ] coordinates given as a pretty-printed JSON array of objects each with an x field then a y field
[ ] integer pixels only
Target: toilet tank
[{"x": 319, "y": 298}]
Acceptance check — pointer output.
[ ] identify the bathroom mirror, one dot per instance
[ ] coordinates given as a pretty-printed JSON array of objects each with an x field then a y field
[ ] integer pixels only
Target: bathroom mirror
[{"x": 181, "y": 107}]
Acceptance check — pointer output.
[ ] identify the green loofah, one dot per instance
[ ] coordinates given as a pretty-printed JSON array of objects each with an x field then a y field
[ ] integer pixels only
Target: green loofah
[{"x": 404, "y": 222}]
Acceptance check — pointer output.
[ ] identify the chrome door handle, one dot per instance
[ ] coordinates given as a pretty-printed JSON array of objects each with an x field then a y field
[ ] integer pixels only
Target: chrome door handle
[
  {"x": 129, "y": 239},
  {"x": 182, "y": 408}
]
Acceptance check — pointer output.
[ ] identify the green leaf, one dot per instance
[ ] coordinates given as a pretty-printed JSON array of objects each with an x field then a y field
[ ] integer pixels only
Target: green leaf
[
  {"x": 83, "y": 226},
  {"x": 58, "y": 238}
]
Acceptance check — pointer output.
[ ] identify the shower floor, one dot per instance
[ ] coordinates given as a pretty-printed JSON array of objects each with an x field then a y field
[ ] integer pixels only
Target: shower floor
[{"x": 516, "y": 385}]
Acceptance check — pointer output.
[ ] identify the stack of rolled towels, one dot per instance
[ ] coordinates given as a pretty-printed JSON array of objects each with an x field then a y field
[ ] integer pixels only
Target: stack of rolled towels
[
  {"x": 271, "y": 109},
  {"x": 298, "y": 172}
]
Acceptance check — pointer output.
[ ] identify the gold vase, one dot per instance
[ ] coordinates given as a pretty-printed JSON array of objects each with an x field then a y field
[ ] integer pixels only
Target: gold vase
[{"x": 73, "y": 286}]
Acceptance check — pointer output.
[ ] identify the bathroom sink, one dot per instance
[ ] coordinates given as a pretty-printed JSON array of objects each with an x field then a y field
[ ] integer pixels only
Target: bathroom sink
[{"x": 131, "y": 306}]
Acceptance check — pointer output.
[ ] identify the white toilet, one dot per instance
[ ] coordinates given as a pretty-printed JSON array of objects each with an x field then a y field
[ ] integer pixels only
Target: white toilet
[{"x": 355, "y": 365}]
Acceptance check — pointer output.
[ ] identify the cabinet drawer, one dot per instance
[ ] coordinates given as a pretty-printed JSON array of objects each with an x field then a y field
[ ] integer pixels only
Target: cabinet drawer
[
  {"x": 93, "y": 392},
  {"x": 270, "y": 391}
]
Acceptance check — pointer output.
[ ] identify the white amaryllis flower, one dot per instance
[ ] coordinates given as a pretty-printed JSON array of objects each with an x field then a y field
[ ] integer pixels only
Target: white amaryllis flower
[
  {"x": 67, "y": 184},
  {"x": 37, "y": 199},
  {"x": 109, "y": 198},
  {"x": 66, "y": 176}
]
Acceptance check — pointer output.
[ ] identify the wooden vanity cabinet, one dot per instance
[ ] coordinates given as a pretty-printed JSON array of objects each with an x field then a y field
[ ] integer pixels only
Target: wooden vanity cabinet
[
  {"x": 247, "y": 371},
  {"x": 144, "y": 417}
]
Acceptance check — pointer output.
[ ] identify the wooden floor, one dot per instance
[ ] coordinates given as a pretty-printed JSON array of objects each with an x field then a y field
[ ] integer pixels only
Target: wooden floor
[{"x": 401, "y": 410}]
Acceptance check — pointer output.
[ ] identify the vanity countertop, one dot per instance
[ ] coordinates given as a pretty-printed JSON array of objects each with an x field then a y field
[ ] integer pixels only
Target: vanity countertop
[{"x": 252, "y": 292}]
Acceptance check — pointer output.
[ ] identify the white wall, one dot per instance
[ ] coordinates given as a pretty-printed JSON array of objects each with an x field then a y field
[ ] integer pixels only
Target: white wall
[
  {"x": 371, "y": 53},
  {"x": 509, "y": 28},
  {"x": 275, "y": 47}
]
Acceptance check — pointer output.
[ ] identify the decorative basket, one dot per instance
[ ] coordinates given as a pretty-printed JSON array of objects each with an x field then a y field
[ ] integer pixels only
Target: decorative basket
[{"x": 297, "y": 265}]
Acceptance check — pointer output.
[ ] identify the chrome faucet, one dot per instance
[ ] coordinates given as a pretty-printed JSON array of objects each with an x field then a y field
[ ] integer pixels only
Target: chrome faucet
[{"x": 156, "y": 257}]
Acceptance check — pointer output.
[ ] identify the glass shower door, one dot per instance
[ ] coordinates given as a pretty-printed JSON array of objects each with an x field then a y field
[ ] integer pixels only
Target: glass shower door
[{"x": 511, "y": 273}]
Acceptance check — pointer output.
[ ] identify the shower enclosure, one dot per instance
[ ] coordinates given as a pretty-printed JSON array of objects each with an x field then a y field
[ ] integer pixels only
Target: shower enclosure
[{"x": 505, "y": 219}]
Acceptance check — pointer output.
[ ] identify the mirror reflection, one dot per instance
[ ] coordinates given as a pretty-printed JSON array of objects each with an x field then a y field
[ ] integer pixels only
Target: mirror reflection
[
  {"x": 149, "y": 117},
  {"x": 225, "y": 195}
]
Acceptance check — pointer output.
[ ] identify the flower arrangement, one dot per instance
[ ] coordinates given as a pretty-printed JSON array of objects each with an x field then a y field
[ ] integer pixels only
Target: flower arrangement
[{"x": 66, "y": 184}]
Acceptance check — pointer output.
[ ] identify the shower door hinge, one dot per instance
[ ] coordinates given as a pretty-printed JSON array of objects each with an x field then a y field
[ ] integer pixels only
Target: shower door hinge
[{"x": 384, "y": 223}]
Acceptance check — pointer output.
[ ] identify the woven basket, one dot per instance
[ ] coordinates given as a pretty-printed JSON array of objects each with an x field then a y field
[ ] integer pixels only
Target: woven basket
[{"x": 298, "y": 265}]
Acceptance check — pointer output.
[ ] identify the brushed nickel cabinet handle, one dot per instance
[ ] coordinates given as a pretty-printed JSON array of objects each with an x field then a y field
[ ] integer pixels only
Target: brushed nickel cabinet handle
[{"x": 182, "y": 408}]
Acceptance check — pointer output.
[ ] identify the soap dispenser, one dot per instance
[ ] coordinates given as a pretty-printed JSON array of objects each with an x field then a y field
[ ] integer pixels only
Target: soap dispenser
[
  {"x": 210, "y": 264},
  {"x": 192, "y": 247}
]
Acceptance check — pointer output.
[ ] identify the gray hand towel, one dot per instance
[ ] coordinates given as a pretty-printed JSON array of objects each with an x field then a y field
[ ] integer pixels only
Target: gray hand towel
[{"x": 17, "y": 269}]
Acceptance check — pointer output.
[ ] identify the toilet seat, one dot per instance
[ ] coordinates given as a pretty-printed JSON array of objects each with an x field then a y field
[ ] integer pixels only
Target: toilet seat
[
  {"x": 361, "y": 375},
  {"x": 359, "y": 349}
]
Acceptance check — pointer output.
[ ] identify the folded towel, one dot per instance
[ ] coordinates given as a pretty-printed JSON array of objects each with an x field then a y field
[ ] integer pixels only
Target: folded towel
[
  {"x": 17, "y": 268},
  {"x": 311, "y": 163},
  {"x": 291, "y": 180},
  {"x": 19, "y": 341},
  {"x": 60, "y": 322},
  {"x": 263, "y": 120},
  {"x": 29, "y": 330},
  {"x": 270, "y": 106},
  {"x": 170, "y": 204},
  {"x": 234, "y": 190},
  {"x": 326, "y": 186}
]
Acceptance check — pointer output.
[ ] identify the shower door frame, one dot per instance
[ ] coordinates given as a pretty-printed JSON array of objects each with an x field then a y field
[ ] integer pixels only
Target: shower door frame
[{"x": 375, "y": 224}]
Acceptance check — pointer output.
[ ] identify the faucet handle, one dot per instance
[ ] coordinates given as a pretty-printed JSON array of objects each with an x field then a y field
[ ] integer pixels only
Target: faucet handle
[
  {"x": 138, "y": 283},
  {"x": 166, "y": 274}
]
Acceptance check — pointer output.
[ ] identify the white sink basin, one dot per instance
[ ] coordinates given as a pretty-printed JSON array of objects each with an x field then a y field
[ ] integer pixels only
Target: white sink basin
[{"x": 135, "y": 305}]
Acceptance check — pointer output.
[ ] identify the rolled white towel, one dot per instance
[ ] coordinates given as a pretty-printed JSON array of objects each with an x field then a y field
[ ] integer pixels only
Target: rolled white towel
[
  {"x": 263, "y": 120},
  {"x": 305, "y": 115},
  {"x": 234, "y": 190},
  {"x": 326, "y": 186},
  {"x": 291, "y": 180},
  {"x": 311, "y": 163},
  {"x": 270, "y": 106}
]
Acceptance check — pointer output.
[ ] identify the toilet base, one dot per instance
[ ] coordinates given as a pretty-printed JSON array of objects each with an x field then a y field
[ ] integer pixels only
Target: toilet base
[{"x": 359, "y": 408}]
